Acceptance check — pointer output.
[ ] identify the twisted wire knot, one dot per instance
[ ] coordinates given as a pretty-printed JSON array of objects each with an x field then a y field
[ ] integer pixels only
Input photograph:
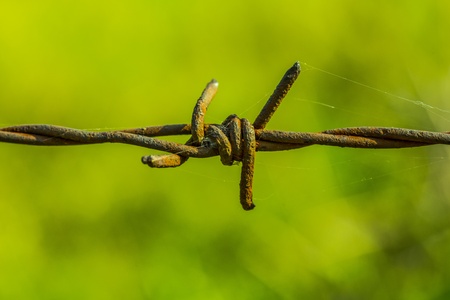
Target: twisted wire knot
[
  {"x": 227, "y": 138},
  {"x": 234, "y": 139}
]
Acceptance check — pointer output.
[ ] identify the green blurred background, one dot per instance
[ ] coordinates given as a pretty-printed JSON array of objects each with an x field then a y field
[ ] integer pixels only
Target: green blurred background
[{"x": 92, "y": 222}]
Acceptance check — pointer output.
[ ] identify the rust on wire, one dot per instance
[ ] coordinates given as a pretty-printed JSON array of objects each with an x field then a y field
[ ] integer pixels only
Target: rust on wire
[
  {"x": 235, "y": 139},
  {"x": 248, "y": 163},
  {"x": 277, "y": 96},
  {"x": 198, "y": 116}
]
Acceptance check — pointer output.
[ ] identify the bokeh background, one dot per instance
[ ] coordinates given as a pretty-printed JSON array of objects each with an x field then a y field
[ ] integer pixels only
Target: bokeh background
[{"x": 92, "y": 222}]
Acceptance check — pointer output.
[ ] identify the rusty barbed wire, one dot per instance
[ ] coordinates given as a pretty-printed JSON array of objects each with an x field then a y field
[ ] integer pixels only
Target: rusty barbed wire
[{"x": 235, "y": 139}]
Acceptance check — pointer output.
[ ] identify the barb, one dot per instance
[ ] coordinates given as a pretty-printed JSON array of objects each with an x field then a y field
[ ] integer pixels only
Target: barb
[{"x": 234, "y": 140}]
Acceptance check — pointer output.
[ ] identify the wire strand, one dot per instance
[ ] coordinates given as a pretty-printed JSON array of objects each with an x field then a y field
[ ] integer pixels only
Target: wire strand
[{"x": 234, "y": 140}]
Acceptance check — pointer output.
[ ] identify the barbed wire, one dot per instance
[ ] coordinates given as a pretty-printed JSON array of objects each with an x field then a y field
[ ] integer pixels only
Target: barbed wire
[{"x": 234, "y": 140}]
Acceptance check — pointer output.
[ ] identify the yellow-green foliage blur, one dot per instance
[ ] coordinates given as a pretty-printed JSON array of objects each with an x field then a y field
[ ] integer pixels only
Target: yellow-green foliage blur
[{"x": 92, "y": 222}]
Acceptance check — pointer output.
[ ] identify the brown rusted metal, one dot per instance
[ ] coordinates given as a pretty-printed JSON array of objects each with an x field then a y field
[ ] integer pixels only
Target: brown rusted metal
[
  {"x": 340, "y": 140},
  {"x": 421, "y": 137},
  {"x": 234, "y": 140},
  {"x": 196, "y": 129},
  {"x": 234, "y": 129},
  {"x": 165, "y": 130},
  {"x": 198, "y": 116},
  {"x": 277, "y": 96},
  {"x": 217, "y": 136},
  {"x": 248, "y": 165},
  {"x": 164, "y": 161}
]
